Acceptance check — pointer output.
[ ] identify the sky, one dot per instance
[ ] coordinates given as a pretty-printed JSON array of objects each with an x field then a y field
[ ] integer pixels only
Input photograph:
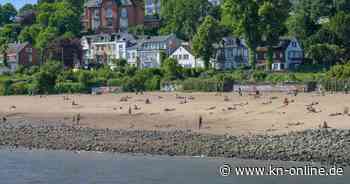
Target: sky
[{"x": 18, "y": 3}]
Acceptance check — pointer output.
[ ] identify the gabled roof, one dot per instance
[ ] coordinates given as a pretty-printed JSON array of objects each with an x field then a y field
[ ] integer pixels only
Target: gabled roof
[
  {"x": 230, "y": 41},
  {"x": 16, "y": 47},
  {"x": 186, "y": 47},
  {"x": 92, "y": 4},
  {"x": 110, "y": 37},
  {"x": 157, "y": 38},
  {"x": 283, "y": 43}
]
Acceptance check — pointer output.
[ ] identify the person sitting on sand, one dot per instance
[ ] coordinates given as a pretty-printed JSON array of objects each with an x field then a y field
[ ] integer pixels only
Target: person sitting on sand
[
  {"x": 295, "y": 92},
  {"x": 285, "y": 102}
]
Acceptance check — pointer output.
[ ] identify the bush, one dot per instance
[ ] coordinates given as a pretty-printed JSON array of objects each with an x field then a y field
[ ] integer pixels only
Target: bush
[
  {"x": 197, "y": 84},
  {"x": 115, "y": 82},
  {"x": 19, "y": 88},
  {"x": 69, "y": 87},
  {"x": 153, "y": 84},
  {"x": 6, "y": 87}
]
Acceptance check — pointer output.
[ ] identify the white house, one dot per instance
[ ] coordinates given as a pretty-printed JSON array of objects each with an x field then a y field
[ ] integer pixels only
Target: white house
[
  {"x": 186, "y": 58},
  {"x": 151, "y": 49},
  {"x": 104, "y": 48}
]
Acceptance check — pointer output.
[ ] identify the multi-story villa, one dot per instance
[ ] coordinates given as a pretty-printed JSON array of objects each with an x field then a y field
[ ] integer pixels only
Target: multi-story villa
[
  {"x": 104, "y": 48},
  {"x": 288, "y": 54},
  {"x": 19, "y": 54},
  {"x": 150, "y": 49},
  {"x": 231, "y": 53},
  {"x": 152, "y": 7},
  {"x": 109, "y": 16}
]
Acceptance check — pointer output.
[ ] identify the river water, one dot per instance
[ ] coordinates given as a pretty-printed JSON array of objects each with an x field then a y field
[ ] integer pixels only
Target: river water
[{"x": 23, "y": 166}]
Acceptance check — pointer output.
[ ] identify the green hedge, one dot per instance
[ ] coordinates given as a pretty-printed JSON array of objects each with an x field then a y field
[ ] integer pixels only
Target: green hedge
[
  {"x": 70, "y": 87},
  {"x": 199, "y": 84}
]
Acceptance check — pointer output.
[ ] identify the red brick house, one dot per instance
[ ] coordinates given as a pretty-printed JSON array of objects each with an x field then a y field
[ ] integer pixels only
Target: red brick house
[
  {"x": 20, "y": 54},
  {"x": 110, "y": 16}
]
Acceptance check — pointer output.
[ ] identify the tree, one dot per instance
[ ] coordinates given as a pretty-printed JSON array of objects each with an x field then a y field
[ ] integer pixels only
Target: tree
[
  {"x": 26, "y": 8},
  {"x": 7, "y": 14},
  {"x": 339, "y": 25},
  {"x": 243, "y": 18},
  {"x": 60, "y": 15},
  {"x": 171, "y": 69},
  {"x": 182, "y": 17},
  {"x": 203, "y": 41},
  {"x": 10, "y": 32},
  {"x": 3, "y": 49},
  {"x": 326, "y": 54},
  {"x": 273, "y": 15}
]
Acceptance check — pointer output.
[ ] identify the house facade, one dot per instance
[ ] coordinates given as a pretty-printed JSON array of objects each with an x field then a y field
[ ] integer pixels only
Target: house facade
[
  {"x": 152, "y": 12},
  {"x": 231, "y": 53},
  {"x": 152, "y": 7},
  {"x": 151, "y": 49},
  {"x": 288, "y": 54},
  {"x": 104, "y": 48},
  {"x": 20, "y": 54},
  {"x": 108, "y": 16},
  {"x": 186, "y": 58}
]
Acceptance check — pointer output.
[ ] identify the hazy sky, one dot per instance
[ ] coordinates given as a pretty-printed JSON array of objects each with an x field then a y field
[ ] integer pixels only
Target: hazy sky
[{"x": 18, "y": 3}]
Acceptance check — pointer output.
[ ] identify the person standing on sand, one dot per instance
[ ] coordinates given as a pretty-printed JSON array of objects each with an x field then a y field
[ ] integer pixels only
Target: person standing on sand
[
  {"x": 240, "y": 91},
  {"x": 200, "y": 122},
  {"x": 346, "y": 89}
]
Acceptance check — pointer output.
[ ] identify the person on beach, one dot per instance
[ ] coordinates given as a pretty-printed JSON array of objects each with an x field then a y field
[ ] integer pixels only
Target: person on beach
[
  {"x": 240, "y": 91},
  {"x": 200, "y": 122},
  {"x": 296, "y": 92},
  {"x": 286, "y": 102},
  {"x": 346, "y": 89}
]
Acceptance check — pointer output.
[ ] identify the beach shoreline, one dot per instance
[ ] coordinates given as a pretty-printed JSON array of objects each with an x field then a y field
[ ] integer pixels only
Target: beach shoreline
[{"x": 327, "y": 146}]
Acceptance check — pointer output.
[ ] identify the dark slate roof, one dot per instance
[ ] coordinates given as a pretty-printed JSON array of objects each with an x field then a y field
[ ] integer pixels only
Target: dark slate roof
[
  {"x": 230, "y": 41},
  {"x": 282, "y": 44},
  {"x": 157, "y": 38},
  {"x": 16, "y": 47},
  {"x": 92, "y": 4}
]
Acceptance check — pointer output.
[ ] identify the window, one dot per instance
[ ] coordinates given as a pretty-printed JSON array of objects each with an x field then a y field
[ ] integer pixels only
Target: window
[
  {"x": 30, "y": 58},
  {"x": 180, "y": 56},
  {"x": 29, "y": 50},
  {"x": 294, "y": 44},
  {"x": 186, "y": 56},
  {"x": 124, "y": 13},
  {"x": 109, "y": 22},
  {"x": 109, "y": 12}
]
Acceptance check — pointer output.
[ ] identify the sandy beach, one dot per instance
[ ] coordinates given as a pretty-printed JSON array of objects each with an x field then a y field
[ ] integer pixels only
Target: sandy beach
[{"x": 225, "y": 113}]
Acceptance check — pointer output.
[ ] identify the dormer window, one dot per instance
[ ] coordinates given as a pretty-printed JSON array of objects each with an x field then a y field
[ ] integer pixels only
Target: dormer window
[{"x": 294, "y": 44}]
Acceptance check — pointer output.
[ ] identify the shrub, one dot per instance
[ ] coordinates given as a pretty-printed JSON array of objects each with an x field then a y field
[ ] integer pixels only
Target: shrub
[
  {"x": 153, "y": 84},
  {"x": 69, "y": 87},
  {"x": 197, "y": 84},
  {"x": 6, "y": 87},
  {"x": 115, "y": 82},
  {"x": 19, "y": 88}
]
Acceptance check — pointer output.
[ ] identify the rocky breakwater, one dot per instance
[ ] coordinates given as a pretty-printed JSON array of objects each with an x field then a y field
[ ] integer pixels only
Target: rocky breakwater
[{"x": 321, "y": 145}]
